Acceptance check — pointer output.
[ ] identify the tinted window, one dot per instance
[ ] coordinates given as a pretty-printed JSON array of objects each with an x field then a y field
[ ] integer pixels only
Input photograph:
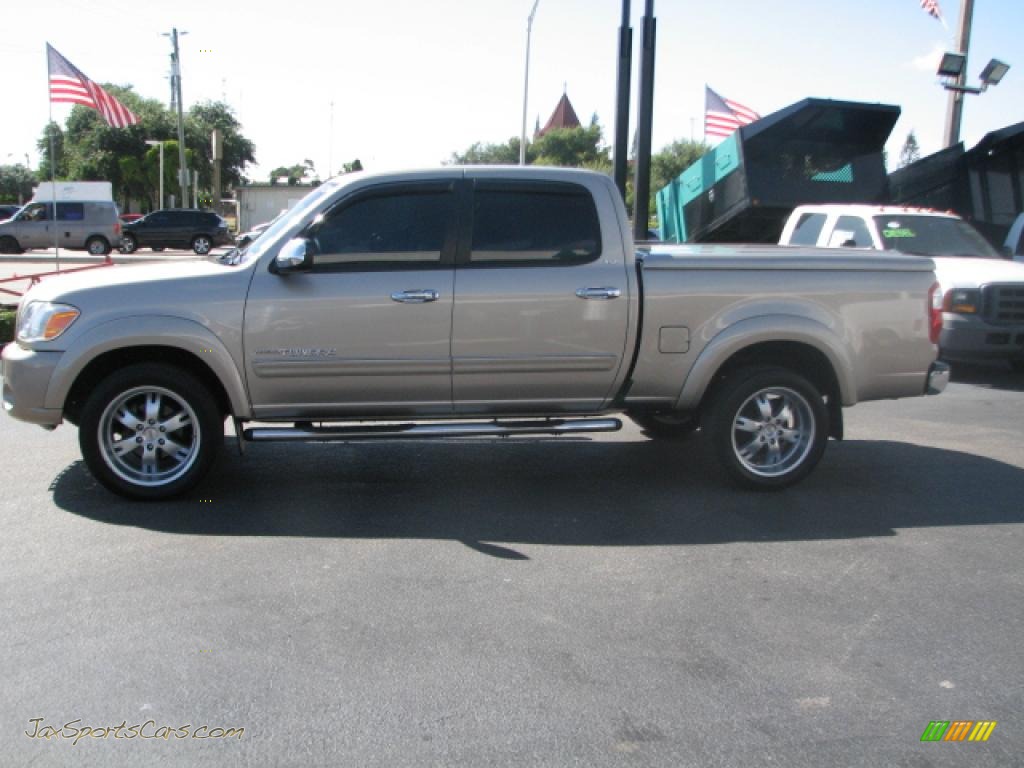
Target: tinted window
[
  {"x": 70, "y": 211},
  {"x": 542, "y": 225},
  {"x": 387, "y": 229},
  {"x": 933, "y": 236},
  {"x": 808, "y": 229},
  {"x": 160, "y": 218},
  {"x": 851, "y": 231}
]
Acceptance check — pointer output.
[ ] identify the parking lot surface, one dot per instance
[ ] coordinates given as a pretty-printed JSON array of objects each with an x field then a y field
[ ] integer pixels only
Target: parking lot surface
[{"x": 548, "y": 602}]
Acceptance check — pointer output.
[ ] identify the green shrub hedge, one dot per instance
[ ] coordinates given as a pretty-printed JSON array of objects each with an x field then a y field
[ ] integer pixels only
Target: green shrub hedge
[{"x": 7, "y": 315}]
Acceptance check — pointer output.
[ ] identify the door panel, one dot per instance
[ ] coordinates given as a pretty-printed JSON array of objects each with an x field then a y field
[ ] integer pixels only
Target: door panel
[
  {"x": 368, "y": 331},
  {"x": 541, "y": 308},
  {"x": 337, "y": 343}
]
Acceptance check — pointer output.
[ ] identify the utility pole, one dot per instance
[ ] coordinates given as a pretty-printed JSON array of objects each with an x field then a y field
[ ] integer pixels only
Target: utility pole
[
  {"x": 526, "y": 84},
  {"x": 176, "y": 88},
  {"x": 622, "y": 101},
  {"x": 218, "y": 155},
  {"x": 955, "y": 107},
  {"x": 645, "y": 124}
]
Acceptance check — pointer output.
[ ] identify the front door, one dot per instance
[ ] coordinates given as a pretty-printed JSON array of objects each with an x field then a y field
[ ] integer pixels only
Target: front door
[
  {"x": 368, "y": 329},
  {"x": 541, "y": 305},
  {"x": 35, "y": 226}
]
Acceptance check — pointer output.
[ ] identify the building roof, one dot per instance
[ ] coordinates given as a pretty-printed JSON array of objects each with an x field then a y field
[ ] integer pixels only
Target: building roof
[{"x": 564, "y": 116}]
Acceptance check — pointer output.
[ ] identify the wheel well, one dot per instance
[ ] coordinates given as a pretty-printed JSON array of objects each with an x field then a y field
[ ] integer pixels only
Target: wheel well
[
  {"x": 808, "y": 361},
  {"x": 108, "y": 362}
]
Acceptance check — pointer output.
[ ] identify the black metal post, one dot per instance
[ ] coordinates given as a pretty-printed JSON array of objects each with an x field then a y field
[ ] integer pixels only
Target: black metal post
[
  {"x": 622, "y": 101},
  {"x": 645, "y": 122}
]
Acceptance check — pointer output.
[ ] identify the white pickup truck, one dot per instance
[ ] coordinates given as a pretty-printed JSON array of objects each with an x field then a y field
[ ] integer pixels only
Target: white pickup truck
[
  {"x": 981, "y": 293},
  {"x": 462, "y": 302}
]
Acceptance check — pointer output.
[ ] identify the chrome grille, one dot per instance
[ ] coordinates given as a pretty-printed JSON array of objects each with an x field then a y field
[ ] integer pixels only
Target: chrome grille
[{"x": 1005, "y": 303}]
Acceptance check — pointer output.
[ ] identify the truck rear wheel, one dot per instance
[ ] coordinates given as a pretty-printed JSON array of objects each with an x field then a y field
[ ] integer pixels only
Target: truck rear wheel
[
  {"x": 769, "y": 427},
  {"x": 150, "y": 431}
]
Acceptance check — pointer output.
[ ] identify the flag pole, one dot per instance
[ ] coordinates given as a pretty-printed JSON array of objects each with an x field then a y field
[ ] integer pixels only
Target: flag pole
[{"x": 53, "y": 188}]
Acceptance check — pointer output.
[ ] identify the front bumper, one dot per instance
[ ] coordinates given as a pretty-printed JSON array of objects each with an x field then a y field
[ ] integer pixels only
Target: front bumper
[
  {"x": 27, "y": 376},
  {"x": 938, "y": 378},
  {"x": 967, "y": 338}
]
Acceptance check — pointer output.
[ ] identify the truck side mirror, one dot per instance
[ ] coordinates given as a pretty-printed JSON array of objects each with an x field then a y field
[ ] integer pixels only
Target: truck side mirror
[{"x": 295, "y": 256}]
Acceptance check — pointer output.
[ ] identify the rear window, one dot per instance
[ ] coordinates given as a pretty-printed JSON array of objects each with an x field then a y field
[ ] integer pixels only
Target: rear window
[
  {"x": 933, "y": 236},
  {"x": 535, "y": 224},
  {"x": 70, "y": 211}
]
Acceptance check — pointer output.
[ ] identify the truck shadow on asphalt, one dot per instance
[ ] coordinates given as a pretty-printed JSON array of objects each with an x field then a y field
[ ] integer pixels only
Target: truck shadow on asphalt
[{"x": 492, "y": 494}]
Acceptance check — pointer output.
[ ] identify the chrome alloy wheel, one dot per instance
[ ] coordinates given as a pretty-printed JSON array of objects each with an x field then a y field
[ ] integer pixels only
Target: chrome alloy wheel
[
  {"x": 773, "y": 431},
  {"x": 149, "y": 436}
]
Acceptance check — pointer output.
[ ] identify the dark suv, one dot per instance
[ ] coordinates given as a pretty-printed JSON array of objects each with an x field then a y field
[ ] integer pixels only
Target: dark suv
[{"x": 176, "y": 228}]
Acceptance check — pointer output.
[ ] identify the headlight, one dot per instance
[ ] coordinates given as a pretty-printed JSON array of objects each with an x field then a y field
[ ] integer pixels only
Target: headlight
[
  {"x": 44, "y": 321},
  {"x": 963, "y": 301}
]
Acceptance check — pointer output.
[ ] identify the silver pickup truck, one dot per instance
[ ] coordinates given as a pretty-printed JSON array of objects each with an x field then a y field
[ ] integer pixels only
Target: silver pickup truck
[{"x": 468, "y": 302}]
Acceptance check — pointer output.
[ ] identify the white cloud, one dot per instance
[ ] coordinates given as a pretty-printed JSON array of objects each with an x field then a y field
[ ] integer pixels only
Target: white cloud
[{"x": 929, "y": 62}]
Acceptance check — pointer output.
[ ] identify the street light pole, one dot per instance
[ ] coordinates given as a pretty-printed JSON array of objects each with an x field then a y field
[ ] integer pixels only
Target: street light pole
[
  {"x": 526, "y": 84},
  {"x": 955, "y": 107}
]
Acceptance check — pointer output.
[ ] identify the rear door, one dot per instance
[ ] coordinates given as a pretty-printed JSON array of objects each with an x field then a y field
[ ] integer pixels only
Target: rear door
[
  {"x": 541, "y": 298},
  {"x": 368, "y": 330}
]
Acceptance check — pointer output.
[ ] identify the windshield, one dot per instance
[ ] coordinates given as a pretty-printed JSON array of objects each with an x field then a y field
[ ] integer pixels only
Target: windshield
[
  {"x": 933, "y": 236},
  {"x": 281, "y": 224}
]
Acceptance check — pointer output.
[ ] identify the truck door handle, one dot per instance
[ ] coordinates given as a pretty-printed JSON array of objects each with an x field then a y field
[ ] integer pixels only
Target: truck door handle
[
  {"x": 598, "y": 293},
  {"x": 418, "y": 296}
]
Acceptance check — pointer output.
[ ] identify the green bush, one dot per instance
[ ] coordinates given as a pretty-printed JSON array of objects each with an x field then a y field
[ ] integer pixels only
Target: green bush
[{"x": 7, "y": 315}]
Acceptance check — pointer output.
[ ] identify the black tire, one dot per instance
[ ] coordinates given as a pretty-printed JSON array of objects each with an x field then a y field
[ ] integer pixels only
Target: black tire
[
  {"x": 129, "y": 244},
  {"x": 785, "y": 418},
  {"x": 157, "y": 402},
  {"x": 10, "y": 245},
  {"x": 202, "y": 244},
  {"x": 97, "y": 246},
  {"x": 666, "y": 425}
]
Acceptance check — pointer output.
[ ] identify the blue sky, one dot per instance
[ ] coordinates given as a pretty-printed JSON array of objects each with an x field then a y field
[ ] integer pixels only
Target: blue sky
[{"x": 413, "y": 81}]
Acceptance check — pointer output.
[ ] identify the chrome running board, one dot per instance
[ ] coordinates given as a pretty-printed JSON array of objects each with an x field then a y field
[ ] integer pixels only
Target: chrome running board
[{"x": 416, "y": 430}]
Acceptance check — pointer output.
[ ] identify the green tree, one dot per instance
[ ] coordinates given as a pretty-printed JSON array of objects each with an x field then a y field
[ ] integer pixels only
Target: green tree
[
  {"x": 300, "y": 173},
  {"x": 566, "y": 147},
  {"x": 352, "y": 167},
  {"x": 238, "y": 151},
  {"x": 88, "y": 149},
  {"x": 16, "y": 183},
  {"x": 43, "y": 145},
  {"x": 911, "y": 151},
  {"x": 492, "y": 154}
]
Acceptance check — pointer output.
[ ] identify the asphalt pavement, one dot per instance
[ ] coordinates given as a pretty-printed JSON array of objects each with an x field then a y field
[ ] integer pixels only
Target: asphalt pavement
[{"x": 607, "y": 601}]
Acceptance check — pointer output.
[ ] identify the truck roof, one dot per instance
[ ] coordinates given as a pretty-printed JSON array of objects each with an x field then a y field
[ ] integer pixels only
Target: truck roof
[{"x": 866, "y": 209}]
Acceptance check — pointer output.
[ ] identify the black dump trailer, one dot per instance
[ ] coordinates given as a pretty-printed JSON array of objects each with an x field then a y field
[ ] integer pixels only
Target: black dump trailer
[
  {"x": 814, "y": 151},
  {"x": 985, "y": 185}
]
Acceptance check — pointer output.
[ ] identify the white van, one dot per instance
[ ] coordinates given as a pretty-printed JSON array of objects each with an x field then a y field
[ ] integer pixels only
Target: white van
[{"x": 91, "y": 225}]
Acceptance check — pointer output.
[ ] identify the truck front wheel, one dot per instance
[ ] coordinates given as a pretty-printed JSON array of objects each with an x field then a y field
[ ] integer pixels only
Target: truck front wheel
[
  {"x": 150, "y": 431},
  {"x": 769, "y": 427}
]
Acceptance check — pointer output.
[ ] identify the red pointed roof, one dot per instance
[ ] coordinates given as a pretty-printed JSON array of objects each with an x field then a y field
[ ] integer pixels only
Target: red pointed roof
[{"x": 564, "y": 116}]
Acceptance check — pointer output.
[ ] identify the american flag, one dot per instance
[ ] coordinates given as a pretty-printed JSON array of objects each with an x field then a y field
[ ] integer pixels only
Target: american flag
[
  {"x": 722, "y": 116},
  {"x": 931, "y": 7},
  {"x": 69, "y": 85}
]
